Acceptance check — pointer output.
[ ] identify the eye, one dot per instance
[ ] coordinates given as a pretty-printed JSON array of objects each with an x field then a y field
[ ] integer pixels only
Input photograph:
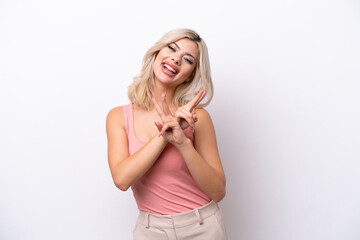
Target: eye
[
  {"x": 188, "y": 60},
  {"x": 172, "y": 49}
]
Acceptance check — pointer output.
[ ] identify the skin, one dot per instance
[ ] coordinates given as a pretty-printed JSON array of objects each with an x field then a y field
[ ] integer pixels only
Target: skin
[{"x": 164, "y": 125}]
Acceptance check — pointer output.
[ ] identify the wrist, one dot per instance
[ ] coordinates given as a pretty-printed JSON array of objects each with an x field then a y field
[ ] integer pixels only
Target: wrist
[
  {"x": 160, "y": 138},
  {"x": 184, "y": 144}
]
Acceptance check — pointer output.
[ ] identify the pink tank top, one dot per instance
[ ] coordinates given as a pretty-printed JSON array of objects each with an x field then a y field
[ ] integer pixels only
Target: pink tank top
[{"x": 167, "y": 187}]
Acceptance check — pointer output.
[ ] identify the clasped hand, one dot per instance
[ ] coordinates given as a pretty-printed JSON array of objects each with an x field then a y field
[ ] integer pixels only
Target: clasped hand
[{"x": 172, "y": 125}]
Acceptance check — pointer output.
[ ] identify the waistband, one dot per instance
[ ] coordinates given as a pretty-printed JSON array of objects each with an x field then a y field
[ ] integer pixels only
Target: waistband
[{"x": 178, "y": 220}]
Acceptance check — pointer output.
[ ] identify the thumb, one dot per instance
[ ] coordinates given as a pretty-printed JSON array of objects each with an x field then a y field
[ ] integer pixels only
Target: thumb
[{"x": 158, "y": 125}]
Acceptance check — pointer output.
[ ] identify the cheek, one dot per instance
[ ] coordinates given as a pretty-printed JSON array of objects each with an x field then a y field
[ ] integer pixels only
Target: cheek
[
  {"x": 157, "y": 62},
  {"x": 161, "y": 54},
  {"x": 189, "y": 70},
  {"x": 157, "y": 59}
]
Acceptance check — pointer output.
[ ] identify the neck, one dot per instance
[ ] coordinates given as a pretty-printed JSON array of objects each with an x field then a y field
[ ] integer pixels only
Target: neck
[{"x": 159, "y": 89}]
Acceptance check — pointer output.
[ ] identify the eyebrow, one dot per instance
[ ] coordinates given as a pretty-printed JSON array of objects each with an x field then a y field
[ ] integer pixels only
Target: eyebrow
[{"x": 185, "y": 53}]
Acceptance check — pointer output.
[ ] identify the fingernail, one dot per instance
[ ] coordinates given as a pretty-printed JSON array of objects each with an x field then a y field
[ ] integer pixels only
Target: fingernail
[{"x": 192, "y": 127}]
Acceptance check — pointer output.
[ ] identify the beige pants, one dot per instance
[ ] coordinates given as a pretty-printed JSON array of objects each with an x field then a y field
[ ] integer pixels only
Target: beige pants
[{"x": 204, "y": 223}]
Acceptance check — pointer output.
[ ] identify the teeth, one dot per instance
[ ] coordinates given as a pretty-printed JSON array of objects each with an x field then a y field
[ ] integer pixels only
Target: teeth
[{"x": 170, "y": 68}]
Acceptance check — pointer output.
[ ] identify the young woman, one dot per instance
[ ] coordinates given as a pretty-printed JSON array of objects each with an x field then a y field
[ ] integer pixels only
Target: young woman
[{"x": 163, "y": 143}]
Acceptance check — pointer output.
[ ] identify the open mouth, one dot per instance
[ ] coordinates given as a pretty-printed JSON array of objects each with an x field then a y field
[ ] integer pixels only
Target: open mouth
[{"x": 172, "y": 70}]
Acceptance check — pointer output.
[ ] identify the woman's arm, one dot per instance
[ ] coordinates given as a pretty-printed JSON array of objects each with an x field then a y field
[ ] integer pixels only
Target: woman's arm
[
  {"x": 202, "y": 158},
  {"x": 126, "y": 169}
]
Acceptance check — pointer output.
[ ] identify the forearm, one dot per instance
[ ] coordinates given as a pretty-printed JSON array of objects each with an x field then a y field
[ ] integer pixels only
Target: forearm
[
  {"x": 208, "y": 179},
  {"x": 127, "y": 171}
]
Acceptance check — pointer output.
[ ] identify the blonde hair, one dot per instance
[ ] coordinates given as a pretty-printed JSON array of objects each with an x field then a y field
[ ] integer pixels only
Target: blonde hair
[{"x": 140, "y": 91}]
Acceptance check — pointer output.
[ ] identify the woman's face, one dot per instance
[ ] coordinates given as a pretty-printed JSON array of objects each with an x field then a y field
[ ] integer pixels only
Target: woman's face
[{"x": 175, "y": 62}]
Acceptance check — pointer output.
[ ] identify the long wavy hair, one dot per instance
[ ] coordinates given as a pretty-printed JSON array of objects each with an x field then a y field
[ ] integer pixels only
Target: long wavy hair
[{"x": 140, "y": 91}]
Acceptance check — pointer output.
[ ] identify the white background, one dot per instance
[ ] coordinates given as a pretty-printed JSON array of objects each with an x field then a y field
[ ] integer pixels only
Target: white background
[{"x": 286, "y": 111}]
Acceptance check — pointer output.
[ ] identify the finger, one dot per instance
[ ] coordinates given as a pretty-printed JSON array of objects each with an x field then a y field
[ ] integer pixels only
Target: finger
[
  {"x": 157, "y": 107},
  {"x": 195, "y": 118},
  {"x": 159, "y": 126},
  {"x": 190, "y": 105},
  {"x": 185, "y": 118},
  {"x": 183, "y": 113},
  {"x": 186, "y": 123},
  {"x": 164, "y": 104},
  {"x": 196, "y": 100},
  {"x": 202, "y": 95},
  {"x": 167, "y": 127},
  {"x": 171, "y": 123}
]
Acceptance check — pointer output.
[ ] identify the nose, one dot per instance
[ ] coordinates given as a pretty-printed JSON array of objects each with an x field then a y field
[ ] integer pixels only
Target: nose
[{"x": 176, "y": 58}]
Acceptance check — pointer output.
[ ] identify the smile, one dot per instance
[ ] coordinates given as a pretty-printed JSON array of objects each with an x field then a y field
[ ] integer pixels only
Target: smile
[{"x": 170, "y": 68}]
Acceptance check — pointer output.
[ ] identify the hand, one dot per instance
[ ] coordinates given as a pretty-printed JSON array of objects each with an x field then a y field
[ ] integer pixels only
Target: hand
[
  {"x": 186, "y": 114},
  {"x": 169, "y": 128}
]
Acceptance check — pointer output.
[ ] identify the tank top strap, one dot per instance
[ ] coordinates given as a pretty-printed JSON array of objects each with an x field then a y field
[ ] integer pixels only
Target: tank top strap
[{"x": 128, "y": 116}]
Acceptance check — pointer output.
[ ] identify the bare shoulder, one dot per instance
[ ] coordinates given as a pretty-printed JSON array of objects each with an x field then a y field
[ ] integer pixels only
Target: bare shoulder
[
  {"x": 203, "y": 116},
  {"x": 115, "y": 117},
  {"x": 204, "y": 127}
]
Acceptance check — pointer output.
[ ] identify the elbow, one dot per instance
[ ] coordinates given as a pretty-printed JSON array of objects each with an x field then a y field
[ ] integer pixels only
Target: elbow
[
  {"x": 123, "y": 186},
  {"x": 219, "y": 196},
  {"x": 221, "y": 193},
  {"x": 121, "y": 181}
]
